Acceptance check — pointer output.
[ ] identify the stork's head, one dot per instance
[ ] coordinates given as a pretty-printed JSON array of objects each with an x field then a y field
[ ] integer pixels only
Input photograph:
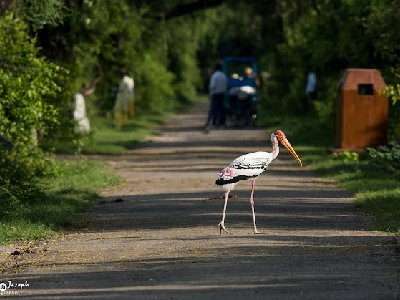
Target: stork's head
[{"x": 284, "y": 141}]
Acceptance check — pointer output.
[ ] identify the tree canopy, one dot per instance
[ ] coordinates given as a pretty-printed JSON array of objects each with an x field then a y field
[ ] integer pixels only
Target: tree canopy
[{"x": 168, "y": 46}]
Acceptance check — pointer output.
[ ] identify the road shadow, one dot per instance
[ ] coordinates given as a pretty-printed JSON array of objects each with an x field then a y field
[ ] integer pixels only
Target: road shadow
[{"x": 289, "y": 209}]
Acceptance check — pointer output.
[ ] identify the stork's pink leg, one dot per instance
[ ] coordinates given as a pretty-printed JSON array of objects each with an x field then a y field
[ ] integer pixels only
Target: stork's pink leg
[
  {"x": 253, "y": 186},
  {"x": 221, "y": 225}
]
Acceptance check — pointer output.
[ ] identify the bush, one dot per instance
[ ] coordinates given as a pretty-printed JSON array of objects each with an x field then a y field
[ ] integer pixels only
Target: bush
[
  {"x": 386, "y": 157},
  {"x": 347, "y": 156},
  {"x": 17, "y": 179},
  {"x": 28, "y": 85},
  {"x": 39, "y": 13},
  {"x": 393, "y": 92}
]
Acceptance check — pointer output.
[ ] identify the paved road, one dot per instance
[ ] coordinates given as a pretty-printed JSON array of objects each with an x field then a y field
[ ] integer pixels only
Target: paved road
[{"x": 156, "y": 236}]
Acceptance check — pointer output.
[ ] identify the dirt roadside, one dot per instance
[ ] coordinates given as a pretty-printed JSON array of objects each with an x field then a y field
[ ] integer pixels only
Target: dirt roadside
[{"x": 156, "y": 235}]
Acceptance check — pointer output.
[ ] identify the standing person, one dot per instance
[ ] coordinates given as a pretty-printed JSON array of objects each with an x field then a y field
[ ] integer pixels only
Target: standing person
[
  {"x": 124, "y": 104},
  {"x": 80, "y": 115},
  {"x": 248, "y": 91},
  {"x": 218, "y": 87},
  {"x": 311, "y": 90},
  {"x": 82, "y": 123},
  {"x": 252, "y": 77}
]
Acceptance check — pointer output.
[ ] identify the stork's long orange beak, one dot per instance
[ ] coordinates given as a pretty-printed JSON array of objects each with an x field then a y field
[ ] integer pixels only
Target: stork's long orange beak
[
  {"x": 282, "y": 138},
  {"x": 286, "y": 143}
]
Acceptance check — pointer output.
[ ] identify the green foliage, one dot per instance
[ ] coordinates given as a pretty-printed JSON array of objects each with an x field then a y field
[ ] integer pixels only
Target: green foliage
[
  {"x": 29, "y": 85},
  {"x": 325, "y": 36},
  {"x": 55, "y": 201},
  {"x": 393, "y": 92},
  {"x": 326, "y": 41},
  {"x": 386, "y": 157},
  {"x": 153, "y": 91},
  {"x": 105, "y": 138},
  {"x": 302, "y": 130},
  {"x": 90, "y": 39},
  {"x": 382, "y": 28},
  {"x": 104, "y": 37},
  {"x": 14, "y": 188},
  {"x": 347, "y": 156},
  {"x": 96, "y": 39},
  {"x": 182, "y": 45},
  {"x": 38, "y": 13},
  {"x": 384, "y": 206},
  {"x": 18, "y": 181}
]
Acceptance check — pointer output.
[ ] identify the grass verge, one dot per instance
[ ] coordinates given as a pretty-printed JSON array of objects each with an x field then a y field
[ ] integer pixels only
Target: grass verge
[
  {"x": 105, "y": 138},
  {"x": 59, "y": 201},
  {"x": 376, "y": 189}
]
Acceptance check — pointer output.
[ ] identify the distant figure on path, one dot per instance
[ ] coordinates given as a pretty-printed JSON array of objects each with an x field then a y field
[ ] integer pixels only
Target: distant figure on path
[
  {"x": 311, "y": 90},
  {"x": 80, "y": 116},
  {"x": 124, "y": 104},
  {"x": 252, "y": 77},
  {"x": 218, "y": 87},
  {"x": 248, "y": 95}
]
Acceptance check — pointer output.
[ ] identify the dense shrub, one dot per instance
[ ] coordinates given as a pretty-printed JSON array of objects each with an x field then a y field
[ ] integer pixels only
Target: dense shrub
[
  {"x": 18, "y": 177},
  {"x": 28, "y": 85},
  {"x": 386, "y": 157},
  {"x": 393, "y": 92}
]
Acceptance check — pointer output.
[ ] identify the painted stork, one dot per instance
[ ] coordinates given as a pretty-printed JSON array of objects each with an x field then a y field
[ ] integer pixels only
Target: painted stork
[{"x": 250, "y": 166}]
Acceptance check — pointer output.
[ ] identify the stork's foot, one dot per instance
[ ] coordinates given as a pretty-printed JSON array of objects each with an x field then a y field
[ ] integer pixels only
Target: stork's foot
[
  {"x": 256, "y": 231},
  {"x": 221, "y": 226}
]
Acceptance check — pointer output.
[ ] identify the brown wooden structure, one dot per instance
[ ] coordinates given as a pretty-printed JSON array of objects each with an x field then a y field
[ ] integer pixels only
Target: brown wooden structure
[{"x": 362, "y": 110}]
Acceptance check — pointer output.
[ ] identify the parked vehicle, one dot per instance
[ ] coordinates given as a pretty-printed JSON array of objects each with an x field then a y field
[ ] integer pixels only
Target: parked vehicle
[{"x": 240, "y": 103}]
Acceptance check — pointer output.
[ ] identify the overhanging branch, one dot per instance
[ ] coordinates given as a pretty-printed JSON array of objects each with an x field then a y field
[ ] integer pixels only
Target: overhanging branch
[{"x": 188, "y": 8}]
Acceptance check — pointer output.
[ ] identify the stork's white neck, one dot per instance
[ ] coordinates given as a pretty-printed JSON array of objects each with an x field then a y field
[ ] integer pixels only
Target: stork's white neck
[{"x": 275, "y": 146}]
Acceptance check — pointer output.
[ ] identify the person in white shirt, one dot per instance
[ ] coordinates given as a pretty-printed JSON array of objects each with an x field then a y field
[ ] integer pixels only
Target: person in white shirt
[
  {"x": 311, "y": 89},
  {"x": 82, "y": 123},
  {"x": 80, "y": 116},
  {"x": 124, "y": 104},
  {"x": 218, "y": 87}
]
